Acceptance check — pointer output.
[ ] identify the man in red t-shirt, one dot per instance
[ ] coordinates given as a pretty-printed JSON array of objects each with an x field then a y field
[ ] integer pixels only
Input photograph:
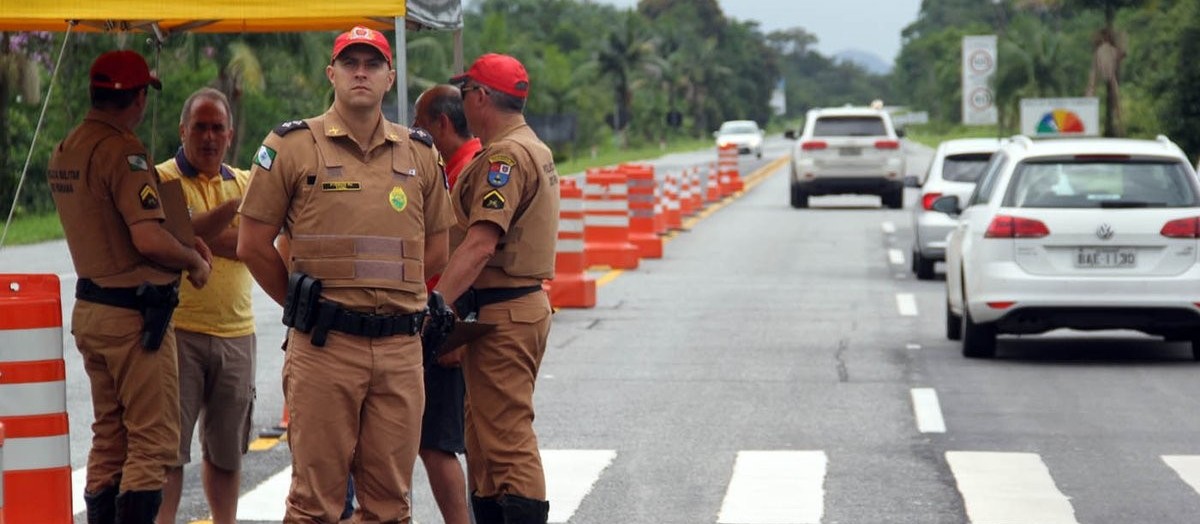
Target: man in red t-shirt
[{"x": 439, "y": 111}]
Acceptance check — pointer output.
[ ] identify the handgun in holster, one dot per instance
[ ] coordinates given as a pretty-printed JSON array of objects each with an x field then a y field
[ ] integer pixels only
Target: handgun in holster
[
  {"x": 467, "y": 305},
  {"x": 156, "y": 304},
  {"x": 438, "y": 326}
]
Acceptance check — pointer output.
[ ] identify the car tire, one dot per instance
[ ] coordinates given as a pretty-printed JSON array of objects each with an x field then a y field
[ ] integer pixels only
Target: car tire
[
  {"x": 799, "y": 197},
  {"x": 922, "y": 266},
  {"x": 953, "y": 324},
  {"x": 758, "y": 154},
  {"x": 978, "y": 340},
  {"x": 1196, "y": 347},
  {"x": 893, "y": 199}
]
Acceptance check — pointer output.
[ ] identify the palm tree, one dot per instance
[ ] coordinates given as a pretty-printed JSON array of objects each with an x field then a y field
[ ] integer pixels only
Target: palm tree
[
  {"x": 627, "y": 51},
  {"x": 1031, "y": 65}
]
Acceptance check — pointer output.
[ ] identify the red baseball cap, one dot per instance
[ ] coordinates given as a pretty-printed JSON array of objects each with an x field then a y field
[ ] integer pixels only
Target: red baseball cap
[
  {"x": 122, "y": 70},
  {"x": 500, "y": 72},
  {"x": 364, "y": 36}
]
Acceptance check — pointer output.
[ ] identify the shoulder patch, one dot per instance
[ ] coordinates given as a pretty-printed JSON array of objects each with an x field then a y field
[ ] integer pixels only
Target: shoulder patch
[
  {"x": 493, "y": 200},
  {"x": 137, "y": 163},
  {"x": 265, "y": 157},
  {"x": 289, "y": 126},
  {"x": 422, "y": 136},
  {"x": 148, "y": 196}
]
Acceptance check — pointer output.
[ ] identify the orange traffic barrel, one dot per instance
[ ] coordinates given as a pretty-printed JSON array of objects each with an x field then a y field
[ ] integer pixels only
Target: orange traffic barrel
[
  {"x": 643, "y": 229},
  {"x": 730, "y": 180},
  {"x": 33, "y": 401},
  {"x": 571, "y": 286},
  {"x": 671, "y": 208},
  {"x": 712, "y": 186},
  {"x": 687, "y": 204},
  {"x": 606, "y": 220}
]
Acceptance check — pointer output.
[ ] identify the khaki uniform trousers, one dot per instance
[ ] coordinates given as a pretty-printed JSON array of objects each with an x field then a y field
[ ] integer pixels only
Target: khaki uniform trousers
[
  {"x": 355, "y": 405},
  {"x": 135, "y": 397},
  {"x": 500, "y": 369}
]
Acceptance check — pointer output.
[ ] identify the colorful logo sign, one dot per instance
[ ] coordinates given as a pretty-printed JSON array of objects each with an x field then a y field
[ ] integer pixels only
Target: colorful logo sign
[{"x": 1060, "y": 121}]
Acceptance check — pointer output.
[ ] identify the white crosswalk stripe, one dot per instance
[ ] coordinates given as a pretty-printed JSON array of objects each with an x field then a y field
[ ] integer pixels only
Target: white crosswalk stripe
[
  {"x": 1188, "y": 468},
  {"x": 1002, "y": 488},
  {"x": 776, "y": 487},
  {"x": 268, "y": 500},
  {"x": 570, "y": 475}
]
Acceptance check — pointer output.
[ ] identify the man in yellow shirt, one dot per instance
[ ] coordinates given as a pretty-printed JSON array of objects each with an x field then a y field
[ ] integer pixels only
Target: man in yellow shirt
[{"x": 214, "y": 326}]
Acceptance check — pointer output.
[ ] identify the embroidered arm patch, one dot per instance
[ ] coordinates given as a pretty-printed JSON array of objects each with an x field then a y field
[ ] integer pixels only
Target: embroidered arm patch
[
  {"x": 148, "y": 196},
  {"x": 493, "y": 200},
  {"x": 289, "y": 126}
]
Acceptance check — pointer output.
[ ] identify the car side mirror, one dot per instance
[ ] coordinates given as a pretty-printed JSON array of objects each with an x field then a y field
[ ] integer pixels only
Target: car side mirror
[
  {"x": 947, "y": 204},
  {"x": 900, "y": 133},
  {"x": 789, "y": 134},
  {"x": 716, "y": 134},
  {"x": 912, "y": 181}
]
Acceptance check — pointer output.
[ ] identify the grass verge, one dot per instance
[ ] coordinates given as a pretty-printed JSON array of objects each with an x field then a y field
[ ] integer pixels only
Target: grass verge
[
  {"x": 31, "y": 229},
  {"x": 934, "y": 133}
]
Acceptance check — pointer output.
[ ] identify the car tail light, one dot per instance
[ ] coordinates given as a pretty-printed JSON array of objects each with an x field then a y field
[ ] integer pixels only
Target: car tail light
[
  {"x": 1182, "y": 228},
  {"x": 927, "y": 200},
  {"x": 887, "y": 144},
  {"x": 1004, "y": 226},
  {"x": 1000, "y": 304},
  {"x": 813, "y": 144}
]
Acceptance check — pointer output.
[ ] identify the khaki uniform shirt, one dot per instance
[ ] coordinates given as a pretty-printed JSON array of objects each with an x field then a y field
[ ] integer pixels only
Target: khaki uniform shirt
[
  {"x": 513, "y": 184},
  {"x": 102, "y": 184},
  {"x": 357, "y": 220}
]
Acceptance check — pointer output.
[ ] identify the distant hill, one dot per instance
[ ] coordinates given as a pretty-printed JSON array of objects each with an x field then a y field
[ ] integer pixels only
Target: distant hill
[{"x": 869, "y": 61}]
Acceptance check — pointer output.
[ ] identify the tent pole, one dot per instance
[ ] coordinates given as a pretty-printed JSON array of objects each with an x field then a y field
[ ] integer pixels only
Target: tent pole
[
  {"x": 401, "y": 73},
  {"x": 37, "y": 130}
]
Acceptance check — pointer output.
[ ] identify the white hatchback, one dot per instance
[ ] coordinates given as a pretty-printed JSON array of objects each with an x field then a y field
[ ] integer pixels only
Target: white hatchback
[
  {"x": 956, "y": 166},
  {"x": 1082, "y": 233}
]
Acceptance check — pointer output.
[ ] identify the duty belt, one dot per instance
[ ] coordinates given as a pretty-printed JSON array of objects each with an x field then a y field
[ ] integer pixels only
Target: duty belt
[
  {"x": 374, "y": 326},
  {"x": 122, "y": 297},
  {"x": 495, "y": 295}
]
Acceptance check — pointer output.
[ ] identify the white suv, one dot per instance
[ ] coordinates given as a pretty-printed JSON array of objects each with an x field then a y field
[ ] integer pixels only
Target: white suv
[
  {"x": 1080, "y": 233},
  {"x": 848, "y": 150}
]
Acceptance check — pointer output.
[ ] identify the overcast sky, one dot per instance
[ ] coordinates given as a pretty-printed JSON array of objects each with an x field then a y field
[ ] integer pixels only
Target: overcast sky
[{"x": 868, "y": 25}]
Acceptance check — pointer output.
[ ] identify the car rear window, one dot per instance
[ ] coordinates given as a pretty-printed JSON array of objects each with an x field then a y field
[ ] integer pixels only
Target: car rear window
[
  {"x": 849, "y": 126},
  {"x": 738, "y": 129},
  {"x": 1103, "y": 183},
  {"x": 966, "y": 167}
]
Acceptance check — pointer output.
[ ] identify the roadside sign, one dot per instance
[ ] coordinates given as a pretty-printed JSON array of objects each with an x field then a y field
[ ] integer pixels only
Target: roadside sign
[
  {"x": 1059, "y": 117},
  {"x": 978, "y": 67}
]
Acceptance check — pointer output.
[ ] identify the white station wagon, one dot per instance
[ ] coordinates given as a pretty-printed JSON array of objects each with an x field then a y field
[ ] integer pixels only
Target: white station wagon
[{"x": 1081, "y": 233}]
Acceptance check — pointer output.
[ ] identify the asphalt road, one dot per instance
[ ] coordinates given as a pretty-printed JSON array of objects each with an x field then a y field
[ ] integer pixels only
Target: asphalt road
[{"x": 783, "y": 366}]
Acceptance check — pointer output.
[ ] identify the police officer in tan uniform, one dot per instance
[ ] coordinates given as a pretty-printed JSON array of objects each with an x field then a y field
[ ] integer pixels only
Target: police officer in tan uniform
[
  {"x": 365, "y": 206},
  {"x": 128, "y": 264},
  {"x": 506, "y": 202}
]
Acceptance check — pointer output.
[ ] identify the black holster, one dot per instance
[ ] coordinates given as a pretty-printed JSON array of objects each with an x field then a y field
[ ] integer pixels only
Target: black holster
[{"x": 157, "y": 304}]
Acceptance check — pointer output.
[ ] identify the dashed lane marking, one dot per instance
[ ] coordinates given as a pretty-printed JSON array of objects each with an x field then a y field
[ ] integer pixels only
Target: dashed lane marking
[
  {"x": 776, "y": 487},
  {"x": 906, "y": 304},
  {"x": 895, "y": 256},
  {"x": 928, "y": 411},
  {"x": 888, "y": 227},
  {"x": 1001, "y": 488}
]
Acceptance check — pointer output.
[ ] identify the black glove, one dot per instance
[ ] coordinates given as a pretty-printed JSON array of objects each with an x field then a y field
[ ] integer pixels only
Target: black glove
[{"x": 437, "y": 328}]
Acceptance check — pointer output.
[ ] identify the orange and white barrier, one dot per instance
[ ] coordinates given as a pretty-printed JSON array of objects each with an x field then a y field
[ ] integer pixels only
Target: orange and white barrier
[
  {"x": 730, "y": 179},
  {"x": 33, "y": 401},
  {"x": 572, "y": 286},
  {"x": 712, "y": 185},
  {"x": 606, "y": 220},
  {"x": 687, "y": 203},
  {"x": 643, "y": 201},
  {"x": 671, "y": 207}
]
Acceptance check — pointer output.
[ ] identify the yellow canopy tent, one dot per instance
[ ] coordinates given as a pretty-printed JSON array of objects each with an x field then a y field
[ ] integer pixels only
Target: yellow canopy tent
[{"x": 214, "y": 16}]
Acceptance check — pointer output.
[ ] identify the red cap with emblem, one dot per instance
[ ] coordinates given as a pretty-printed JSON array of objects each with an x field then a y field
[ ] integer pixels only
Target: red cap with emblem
[
  {"x": 364, "y": 36},
  {"x": 122, "y": 70},
  {"x": 500, "y": 72}
]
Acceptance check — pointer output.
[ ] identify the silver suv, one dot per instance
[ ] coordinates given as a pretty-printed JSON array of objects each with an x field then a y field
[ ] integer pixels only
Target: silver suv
[{"x": 848, "y": 150}]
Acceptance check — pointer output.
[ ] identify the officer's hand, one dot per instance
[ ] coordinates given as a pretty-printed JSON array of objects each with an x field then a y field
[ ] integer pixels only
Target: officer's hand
[
  {"x": 198, "y": 273},
  {"x": 452, "y": 358},
  {"x": 203, "y": 249}
]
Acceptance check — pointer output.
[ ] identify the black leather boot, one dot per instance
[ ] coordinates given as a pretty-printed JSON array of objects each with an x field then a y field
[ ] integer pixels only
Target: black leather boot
[
  {"x": 520, "y": 510},
  {"x": 486, "y": 510},
  {"x": 102, "y": 506},
  {"x": 138, "y": 507}
]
